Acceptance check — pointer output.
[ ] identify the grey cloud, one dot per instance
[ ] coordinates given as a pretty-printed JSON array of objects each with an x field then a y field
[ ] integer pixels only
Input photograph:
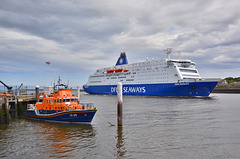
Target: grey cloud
[{"x": 203, "y": 30}]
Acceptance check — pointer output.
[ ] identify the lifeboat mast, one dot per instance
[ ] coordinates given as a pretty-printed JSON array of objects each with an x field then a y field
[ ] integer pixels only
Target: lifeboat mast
[{"x": 60, "y": 84}]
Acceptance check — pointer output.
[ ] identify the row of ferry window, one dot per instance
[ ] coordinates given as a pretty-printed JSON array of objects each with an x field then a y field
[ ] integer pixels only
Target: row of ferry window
[
  {"x": 135, "y": 73},
  {"x": 60, "y": 100},
  {"x": 143, "y": 64},
  {"x": 118, "y": 77},
  {"x": 145, "y": 71},
  {"x": 95, "y": 81},
  {"x": 156, "y": 74}
]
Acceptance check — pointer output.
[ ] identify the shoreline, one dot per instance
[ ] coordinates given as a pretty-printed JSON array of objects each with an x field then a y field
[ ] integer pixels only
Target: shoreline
[{"x": 226, "y": 90}]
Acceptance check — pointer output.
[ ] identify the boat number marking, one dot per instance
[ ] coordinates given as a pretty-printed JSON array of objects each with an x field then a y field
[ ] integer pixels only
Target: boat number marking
[{"x": 73, "y": 115}]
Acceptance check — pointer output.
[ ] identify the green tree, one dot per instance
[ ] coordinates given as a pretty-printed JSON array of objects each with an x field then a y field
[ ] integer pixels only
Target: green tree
[{"x": 231, "y": 79}]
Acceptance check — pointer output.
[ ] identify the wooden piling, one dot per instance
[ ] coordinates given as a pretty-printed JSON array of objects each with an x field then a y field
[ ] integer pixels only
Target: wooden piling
[
  {"x": 1, "y": 114},
  {"x": 7, "y": 116},
  {"x": 4, "y": 112},
  {"x": 22, "y": 108},
  {"x": 119, "y": 105},
  {"x": 78, "y": 92},
  {"x": 15, "y": 109},
  {"x": 36, "y": 91}
]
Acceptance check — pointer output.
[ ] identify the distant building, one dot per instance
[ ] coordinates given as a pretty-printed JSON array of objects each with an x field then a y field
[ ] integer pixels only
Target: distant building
[{"x": 225, "y": 84}]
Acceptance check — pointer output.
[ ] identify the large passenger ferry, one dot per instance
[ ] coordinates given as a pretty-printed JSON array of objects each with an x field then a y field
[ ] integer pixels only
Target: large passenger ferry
[{"x": 167, "y": 77}]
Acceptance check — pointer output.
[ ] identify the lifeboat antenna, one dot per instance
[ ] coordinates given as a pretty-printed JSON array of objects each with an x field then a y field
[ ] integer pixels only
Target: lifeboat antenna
[
  {"x": 60, "y": 83},
  {"x": 168, "y": 52}
]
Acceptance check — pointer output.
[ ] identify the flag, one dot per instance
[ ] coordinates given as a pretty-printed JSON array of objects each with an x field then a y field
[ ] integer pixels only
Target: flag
[{"x": 48, "y": 63}]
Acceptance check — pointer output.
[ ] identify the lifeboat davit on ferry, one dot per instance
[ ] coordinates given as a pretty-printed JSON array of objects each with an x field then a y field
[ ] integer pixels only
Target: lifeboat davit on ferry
[
  {"x": 110, "y": 71},
  {"x": 119, "y": 70},
  {"x": 62, "y": 106}
]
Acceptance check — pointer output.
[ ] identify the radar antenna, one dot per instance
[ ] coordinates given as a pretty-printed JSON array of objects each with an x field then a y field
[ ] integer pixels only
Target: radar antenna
[
  {"x": 60, "y": 83},
  {"x": 168, "y": 52}
]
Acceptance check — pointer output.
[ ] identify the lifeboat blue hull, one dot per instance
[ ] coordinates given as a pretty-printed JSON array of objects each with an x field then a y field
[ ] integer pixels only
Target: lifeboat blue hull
[
  {"x": 78, "y": 117},
  {"x": 160, "y": 89}
]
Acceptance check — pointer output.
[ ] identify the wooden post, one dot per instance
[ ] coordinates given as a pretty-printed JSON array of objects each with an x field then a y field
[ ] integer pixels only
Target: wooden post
[
  {"x": 1, "y": 114},
  {"x": 78, "y": 93},
  {"x": 119, "y": 105},
  {"x": 120, "y": 143},
  {"x": 15, "y": 107},
  {"x": 37, "y": 91},
  {"x": 6, "y": 110}
]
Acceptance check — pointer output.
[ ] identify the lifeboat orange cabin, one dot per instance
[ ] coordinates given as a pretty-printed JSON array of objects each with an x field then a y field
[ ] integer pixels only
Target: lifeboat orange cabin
[{"x": 59, "y": 100}]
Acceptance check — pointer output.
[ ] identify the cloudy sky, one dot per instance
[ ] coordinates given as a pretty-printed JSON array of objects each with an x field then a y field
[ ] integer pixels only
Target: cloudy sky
[{"x": 80, "y": 36}]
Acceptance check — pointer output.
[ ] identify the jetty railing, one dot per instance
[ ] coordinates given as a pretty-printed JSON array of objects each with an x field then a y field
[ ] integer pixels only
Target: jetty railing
[{"x": 20, "y": 98}]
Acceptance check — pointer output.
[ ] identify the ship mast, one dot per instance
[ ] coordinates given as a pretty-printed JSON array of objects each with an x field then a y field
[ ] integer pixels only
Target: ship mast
[
  {"x": 60, "y": 84},
  {"x": 168, "y": 52}
]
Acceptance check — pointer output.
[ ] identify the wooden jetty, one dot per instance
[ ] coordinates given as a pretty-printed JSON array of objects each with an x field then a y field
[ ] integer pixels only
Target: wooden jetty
[{"x": 14, "y": 106}]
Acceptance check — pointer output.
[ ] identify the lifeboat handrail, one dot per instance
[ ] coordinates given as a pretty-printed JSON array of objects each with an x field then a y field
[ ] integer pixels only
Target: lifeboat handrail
[{"x": 88, "y": 105}]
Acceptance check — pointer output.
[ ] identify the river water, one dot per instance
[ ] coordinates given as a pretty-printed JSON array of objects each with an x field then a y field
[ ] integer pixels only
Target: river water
[{"x": 153, "y": 127}]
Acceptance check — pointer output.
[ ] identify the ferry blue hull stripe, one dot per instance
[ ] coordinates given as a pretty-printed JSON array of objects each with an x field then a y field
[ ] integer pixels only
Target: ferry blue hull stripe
[
  {"x": 71, "y": 117},
  {"x": 166, "y": 89}
]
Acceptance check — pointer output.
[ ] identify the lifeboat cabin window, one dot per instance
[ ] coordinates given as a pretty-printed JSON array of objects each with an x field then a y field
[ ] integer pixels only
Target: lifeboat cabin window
[
  {"x": 73, "y": 99},
  {"x": 60, "y": 100},
  {"x": 55, "y": 100},
  {"x": 68, "y": 100},
  {"x": 64, "y": 99}
]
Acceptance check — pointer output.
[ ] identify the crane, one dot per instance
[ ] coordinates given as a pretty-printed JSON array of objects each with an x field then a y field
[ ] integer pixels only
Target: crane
[
  {"x": 19, "y": 89},
  {"x": 9, "y": 88}
]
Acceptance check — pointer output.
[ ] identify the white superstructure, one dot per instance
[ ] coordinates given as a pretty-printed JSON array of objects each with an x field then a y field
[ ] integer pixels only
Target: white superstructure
[{"x": 154, "y": 71}]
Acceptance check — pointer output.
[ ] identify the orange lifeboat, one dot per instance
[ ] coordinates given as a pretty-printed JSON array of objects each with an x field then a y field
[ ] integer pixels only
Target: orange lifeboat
[
  {"x": 5, "y": 94},
  {"x": 62, "y": 106},
  {"x": 110, "y": 71},
  {"x": 119, "y": 70}
]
